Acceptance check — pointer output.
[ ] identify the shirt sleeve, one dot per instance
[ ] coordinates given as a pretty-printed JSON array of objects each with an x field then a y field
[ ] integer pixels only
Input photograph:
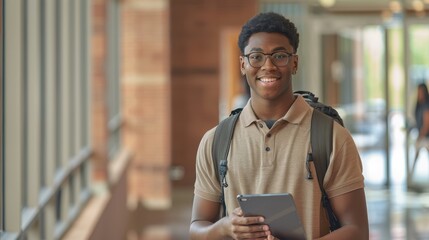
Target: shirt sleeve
[
  {"x": 206, "y": 185},
  {"x": 344, "y": 173}
]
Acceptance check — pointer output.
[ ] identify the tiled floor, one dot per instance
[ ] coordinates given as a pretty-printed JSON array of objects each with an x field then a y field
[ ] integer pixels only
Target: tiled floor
[
  {"x": 398, "y": 215},
  {"x": 170, "y": 224}
]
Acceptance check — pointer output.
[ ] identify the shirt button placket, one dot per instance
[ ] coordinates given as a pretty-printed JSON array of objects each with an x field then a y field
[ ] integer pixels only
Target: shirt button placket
[
  {"x": 267, "y": 142},
  {"x": 268, "y": 148}
]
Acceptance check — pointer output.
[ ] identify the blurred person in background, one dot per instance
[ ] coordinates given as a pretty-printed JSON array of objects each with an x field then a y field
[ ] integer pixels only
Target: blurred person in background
[{"x": 421, "y": 115}]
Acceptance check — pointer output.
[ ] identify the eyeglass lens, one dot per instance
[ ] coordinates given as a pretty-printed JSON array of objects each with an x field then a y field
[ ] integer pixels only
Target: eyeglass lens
[{"x": 258, "y": 59}]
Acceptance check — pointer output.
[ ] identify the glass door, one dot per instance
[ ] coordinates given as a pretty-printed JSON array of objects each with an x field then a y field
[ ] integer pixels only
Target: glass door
[
  {"x": 418, "y": 164},
  {"x": 363, "y": 77},
  {"x": 354, "y": 82}
]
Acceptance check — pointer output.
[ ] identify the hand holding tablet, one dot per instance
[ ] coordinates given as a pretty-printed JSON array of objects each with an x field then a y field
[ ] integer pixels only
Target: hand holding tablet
[{"x": 279, "y": 212}]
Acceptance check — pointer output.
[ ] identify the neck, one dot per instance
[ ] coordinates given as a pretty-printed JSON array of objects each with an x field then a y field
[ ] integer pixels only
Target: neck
[{"x": 268, "y": 110}]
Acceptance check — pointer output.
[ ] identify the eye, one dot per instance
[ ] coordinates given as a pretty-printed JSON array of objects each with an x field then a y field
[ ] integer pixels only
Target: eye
[
  {"x": 256, "y": 56},
  {"x": 280, "y": 56}
]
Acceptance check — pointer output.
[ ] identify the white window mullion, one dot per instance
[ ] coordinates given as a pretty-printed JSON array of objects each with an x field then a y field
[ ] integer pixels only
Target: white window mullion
[
  {"x": 51, "y": 125},
  {"x": 72, "y": 74},
  {"x": 13, "y": 115},
  {"x": 2, "y": 192},
  {"x": 33, "y": 118},
  {"x": 77, "y": 48},
  {"x": 78, "y": 92},
  {"x": 65, "y": 103},
  {"x": 49, "y": 221},
  {"x": 65, "y": 85},
  {"x": 86, "y": 86},
  {"x": 33, "y": 96},
  {"x": 50, "y": 90},
  {"x": 86, "y": 67}
]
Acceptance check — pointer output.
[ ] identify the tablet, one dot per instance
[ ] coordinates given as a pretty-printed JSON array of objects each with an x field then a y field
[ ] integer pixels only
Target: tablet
[{"x": 279, "y": 212}]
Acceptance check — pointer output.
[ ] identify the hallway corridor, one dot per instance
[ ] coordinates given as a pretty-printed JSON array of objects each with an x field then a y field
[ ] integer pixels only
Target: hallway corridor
[{"x": 100, "y": 99}]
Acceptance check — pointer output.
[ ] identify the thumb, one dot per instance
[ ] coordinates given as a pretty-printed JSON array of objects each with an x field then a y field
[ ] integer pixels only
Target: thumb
[
  {"x": 238, "y": 212},
  {"x": 271, "y": 237}
]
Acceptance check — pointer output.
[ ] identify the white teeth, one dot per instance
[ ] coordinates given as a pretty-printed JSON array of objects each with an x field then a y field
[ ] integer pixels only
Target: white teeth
[{"x": 267, "y": 80}]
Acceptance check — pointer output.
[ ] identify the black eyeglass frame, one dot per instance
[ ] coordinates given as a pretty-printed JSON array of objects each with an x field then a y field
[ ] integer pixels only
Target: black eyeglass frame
[{"x": 269, "y": 55}]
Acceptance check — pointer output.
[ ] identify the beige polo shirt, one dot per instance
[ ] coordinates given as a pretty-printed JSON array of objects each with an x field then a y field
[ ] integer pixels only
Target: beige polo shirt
[{"x": 263, "y": 160}]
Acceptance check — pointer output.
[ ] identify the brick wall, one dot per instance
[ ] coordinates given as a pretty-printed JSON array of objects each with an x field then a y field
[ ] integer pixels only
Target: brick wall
[
  {"x": 99, "y": 92},
  {"x": 196, "y": 27},
  {"x": 170, "y": 76},
  {"x": 146, "y": 99}
]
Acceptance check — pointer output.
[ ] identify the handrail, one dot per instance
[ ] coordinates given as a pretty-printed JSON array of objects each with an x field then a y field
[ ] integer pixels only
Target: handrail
[{"x": 31, "y": 215}]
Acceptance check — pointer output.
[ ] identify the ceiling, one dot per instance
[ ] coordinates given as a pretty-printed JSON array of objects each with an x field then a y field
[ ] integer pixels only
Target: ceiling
[
  {"x": 360, "y": 5},
  {"x": 372, "y": 6}
]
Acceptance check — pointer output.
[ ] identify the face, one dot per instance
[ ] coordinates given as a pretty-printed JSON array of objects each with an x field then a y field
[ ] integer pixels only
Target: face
[{"x": 269, "y": 82}]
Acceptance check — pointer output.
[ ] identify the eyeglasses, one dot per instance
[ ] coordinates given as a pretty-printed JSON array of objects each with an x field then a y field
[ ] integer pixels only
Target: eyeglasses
[{"x": 258, "y": 59}]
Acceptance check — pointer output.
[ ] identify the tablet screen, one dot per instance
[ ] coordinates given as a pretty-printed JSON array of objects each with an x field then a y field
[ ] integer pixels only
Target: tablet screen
[{"x": 279, "y": 212}]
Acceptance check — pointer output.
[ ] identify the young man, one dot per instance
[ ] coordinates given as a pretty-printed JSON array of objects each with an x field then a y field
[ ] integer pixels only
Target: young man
[{"x": 269, "y": 147}]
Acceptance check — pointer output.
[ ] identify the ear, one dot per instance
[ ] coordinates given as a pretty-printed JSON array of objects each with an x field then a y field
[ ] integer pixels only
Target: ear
[
  {"x": 242, "y": 64},
  {"x": 295, "y": 64}
]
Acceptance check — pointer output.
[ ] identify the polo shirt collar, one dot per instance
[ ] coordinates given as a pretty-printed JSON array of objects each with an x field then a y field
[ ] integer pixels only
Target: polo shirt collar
[
  {"x": 295, "y": 115},
  {"x": 297, "y": 111}
]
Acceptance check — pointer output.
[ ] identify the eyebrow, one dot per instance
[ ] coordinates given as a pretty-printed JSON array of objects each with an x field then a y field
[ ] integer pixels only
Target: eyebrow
[{"x": 275, "y": 49}]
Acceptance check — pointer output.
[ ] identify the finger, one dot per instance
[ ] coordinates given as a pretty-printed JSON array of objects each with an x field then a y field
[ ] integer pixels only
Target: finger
[
  {"x": 251, "y": 229},
  {"x": 248, "y": 220},
  {"x": 252, "y": 235},
  {"x": 271, "y": 237},
  {"x": 238, "y": 212}
]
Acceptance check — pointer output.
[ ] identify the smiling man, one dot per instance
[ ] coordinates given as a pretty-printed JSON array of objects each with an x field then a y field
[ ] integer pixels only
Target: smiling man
[{"x": 268, "y": 151}]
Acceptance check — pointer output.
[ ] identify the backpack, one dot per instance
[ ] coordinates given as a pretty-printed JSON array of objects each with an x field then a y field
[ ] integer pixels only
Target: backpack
[{"x": 320, "y": 139}]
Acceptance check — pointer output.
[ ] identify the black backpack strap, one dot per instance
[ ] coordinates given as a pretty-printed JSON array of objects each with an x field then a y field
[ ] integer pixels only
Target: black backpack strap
[
  {"x": 321, "y": 145},
  {"x": 221, "y": 142}
]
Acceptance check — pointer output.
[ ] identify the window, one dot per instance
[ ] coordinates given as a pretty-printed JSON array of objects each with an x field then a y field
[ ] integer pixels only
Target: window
[{"x": 45, "y": 102}]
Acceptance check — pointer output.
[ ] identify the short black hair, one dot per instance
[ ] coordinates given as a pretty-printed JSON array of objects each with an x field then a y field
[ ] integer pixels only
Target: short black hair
[{"x": 269, "y": 22}]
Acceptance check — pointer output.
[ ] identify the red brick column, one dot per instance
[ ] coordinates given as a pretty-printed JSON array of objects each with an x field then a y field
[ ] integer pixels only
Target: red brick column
[
  {"x": 100, "y": 130},
  {"x": 196, "y": 34},
  {"x": 146, "y": 99}
]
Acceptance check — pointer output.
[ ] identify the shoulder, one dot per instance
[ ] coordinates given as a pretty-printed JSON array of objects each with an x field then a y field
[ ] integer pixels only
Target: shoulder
[
  {"x": 344, "y": 145},
  {"x": 341, "y": 135},
  {"x": 207, "y": 139}
]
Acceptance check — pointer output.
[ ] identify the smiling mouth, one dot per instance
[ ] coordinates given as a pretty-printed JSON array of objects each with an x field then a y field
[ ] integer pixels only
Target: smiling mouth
[{"x": 267, "y": 80}]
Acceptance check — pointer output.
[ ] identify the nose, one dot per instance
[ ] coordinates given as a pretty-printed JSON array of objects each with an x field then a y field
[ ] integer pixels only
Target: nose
[{"x": 268, "y": 63}]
